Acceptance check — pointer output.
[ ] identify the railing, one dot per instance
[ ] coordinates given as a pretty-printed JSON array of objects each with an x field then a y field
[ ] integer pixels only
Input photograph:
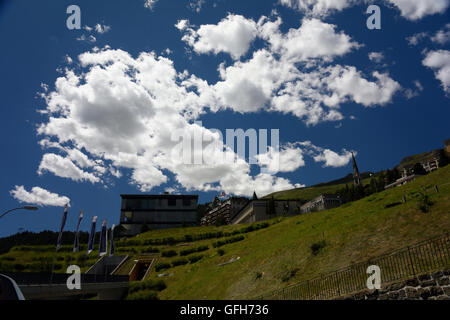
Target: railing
[
  {"x": 61, "y": 278},
  {"x": 423, "y": 257}
]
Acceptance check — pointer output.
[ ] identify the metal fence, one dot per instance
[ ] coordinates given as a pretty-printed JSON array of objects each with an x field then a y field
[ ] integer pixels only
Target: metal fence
[{"x": 423, "y": 257}]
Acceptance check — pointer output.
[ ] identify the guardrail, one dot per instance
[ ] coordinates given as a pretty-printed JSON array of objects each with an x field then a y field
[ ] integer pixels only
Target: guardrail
[{"x": 426, "y": 256}]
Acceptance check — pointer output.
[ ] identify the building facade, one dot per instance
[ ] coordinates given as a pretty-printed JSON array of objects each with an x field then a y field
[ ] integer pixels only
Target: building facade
[
  {"x": 322, "y": 202},
  {"x": 157, "y": 211},
  {"x": 264, "y": 209},
  {"x": 223, "y": 210}
]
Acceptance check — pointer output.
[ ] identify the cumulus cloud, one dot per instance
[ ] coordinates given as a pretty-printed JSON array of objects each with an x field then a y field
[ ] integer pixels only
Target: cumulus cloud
[
  {"x": 39, "y": 196},
  {"x": 232, "y": 35},
  {"x": 287, "y": 159},
  {"x": 118, "y": 112},
  {"x": 417, "y": 9},
  {"x": 439, "y": 61},
  {"x": 318, "y": 7},
  {"x": 409, "y": 9},
  {"x": 313, "y": 39},
  {"x": 64, "y": 168}
]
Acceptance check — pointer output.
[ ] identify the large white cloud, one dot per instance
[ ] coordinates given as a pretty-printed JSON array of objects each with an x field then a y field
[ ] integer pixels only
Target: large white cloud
[
  {"x": 417, "y": 9},
  {"x": 39, "y": 196},
  {"x": 119, "y": 112},
  {"x": 439, "y": 61}
]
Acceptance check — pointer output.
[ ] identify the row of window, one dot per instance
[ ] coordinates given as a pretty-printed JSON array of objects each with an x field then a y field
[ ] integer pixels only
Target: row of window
[{"x": 153, "y": 203}]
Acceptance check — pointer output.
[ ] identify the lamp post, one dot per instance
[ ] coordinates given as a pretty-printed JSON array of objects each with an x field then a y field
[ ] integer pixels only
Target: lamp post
[{"x": 32, "y": 208}]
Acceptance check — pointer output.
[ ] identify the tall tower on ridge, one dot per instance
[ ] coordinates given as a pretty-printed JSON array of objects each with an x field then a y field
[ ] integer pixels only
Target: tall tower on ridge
[{"x": 356, "y": 176}]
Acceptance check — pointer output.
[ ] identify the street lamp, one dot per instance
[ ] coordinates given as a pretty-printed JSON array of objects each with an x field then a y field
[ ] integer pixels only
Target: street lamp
[{"x": 32, "y": 208}]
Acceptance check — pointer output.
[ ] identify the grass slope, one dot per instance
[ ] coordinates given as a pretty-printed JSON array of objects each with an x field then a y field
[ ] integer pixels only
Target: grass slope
[
  {"x": 309, "y": 193},
  {"x": 278, "y": 255}
]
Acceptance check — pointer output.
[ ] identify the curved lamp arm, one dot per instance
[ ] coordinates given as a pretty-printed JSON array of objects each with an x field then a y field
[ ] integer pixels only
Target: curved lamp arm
[{"x": 24, "y": 208}]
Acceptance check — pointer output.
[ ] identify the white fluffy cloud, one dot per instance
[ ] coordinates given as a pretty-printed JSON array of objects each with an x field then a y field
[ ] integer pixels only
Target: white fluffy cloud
[
  {"x": 287, "y": 159},
  {"x": 417, "y": 9},
  {"x": 439, "y": 61},
  {"x": 327, "y": 156},
  {"x": 39, "y": 196},
  {"x": 120, "y": 112},
  {"x": 409, "y": 9},
  {"x": 271, "y": 79},
  {"x": 232, "y": 35},
  {"x": 313, "y": 39},
  {"x": 318, "y": 7},
  {"x": 64, "y": 168},
  {"x": 333, "y": 159}
]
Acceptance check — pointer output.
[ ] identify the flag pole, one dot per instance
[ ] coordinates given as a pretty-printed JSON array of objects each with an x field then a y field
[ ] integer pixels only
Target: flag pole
[{"x": 58, "y": 243}]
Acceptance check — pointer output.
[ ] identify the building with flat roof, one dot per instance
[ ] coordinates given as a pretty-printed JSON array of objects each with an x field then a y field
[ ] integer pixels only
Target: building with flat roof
[
  {"x": 322, "y": 202},
  {"x": 157, "y": 211},
  {"x": 264, "y": 209},
  {"x": 223, "y": 210}
]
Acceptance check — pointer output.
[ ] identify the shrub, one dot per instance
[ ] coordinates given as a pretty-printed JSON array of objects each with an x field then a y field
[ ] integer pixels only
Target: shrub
[
  {"x": 202, "y": 248},
  {"x": 150, "y": 250},
  {"x": 162, "y": 266},
  {"x": 179, "y": 262},
  {"x": 317, "y": 246},
  {"x": 195, "y": 258},
  {"x": 227, "y": 241},
  {"x": 186, "y": 252},
  {"x": 169, "y": 253},
  {"x": 153, "y": 285},
  {"x": 143, "y": 295},
  {"x": 289, "y": 274},
  {"x": 391, "y": 205},
  {"x": 220, "y": 252},
  {"x": 424, "y": 203}
]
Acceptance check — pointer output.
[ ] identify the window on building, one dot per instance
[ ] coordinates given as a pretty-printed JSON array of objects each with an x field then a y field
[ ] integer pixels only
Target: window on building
[
  {"x": 186, "y": 202},
  {"x": 172, "y": 202}
]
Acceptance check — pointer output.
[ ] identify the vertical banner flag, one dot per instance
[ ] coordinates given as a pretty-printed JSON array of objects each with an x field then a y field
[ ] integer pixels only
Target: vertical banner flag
[
  {"x": 103, "y": 239},
  {"x": 92, "y": 235},
  {"x": 111, "y": 244},
  {"x": 63, "y": 223},
  {"x": 76, "y": 244}
]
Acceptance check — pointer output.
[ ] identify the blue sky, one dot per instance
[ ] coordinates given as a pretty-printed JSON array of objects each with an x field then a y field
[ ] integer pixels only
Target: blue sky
[{"x": 318, "y": 74}]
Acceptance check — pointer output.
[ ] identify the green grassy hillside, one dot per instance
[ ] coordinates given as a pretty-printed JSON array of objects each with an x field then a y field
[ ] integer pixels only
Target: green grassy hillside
[
  {"x": 309, "y": 193},
  {"x": 278, "y": 253}
]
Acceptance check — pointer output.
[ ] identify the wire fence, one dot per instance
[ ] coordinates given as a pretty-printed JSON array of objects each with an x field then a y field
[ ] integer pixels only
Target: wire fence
[{"x": 423, "y": 257}]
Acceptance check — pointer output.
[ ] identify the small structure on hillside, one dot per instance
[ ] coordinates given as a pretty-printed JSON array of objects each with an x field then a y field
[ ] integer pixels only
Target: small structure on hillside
[
  {"x": 223, "y": 210},
  {"x": 403, "y": 180},
  {"x": 264, "y": 209},
  {"x": 322, "y": 202}
]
